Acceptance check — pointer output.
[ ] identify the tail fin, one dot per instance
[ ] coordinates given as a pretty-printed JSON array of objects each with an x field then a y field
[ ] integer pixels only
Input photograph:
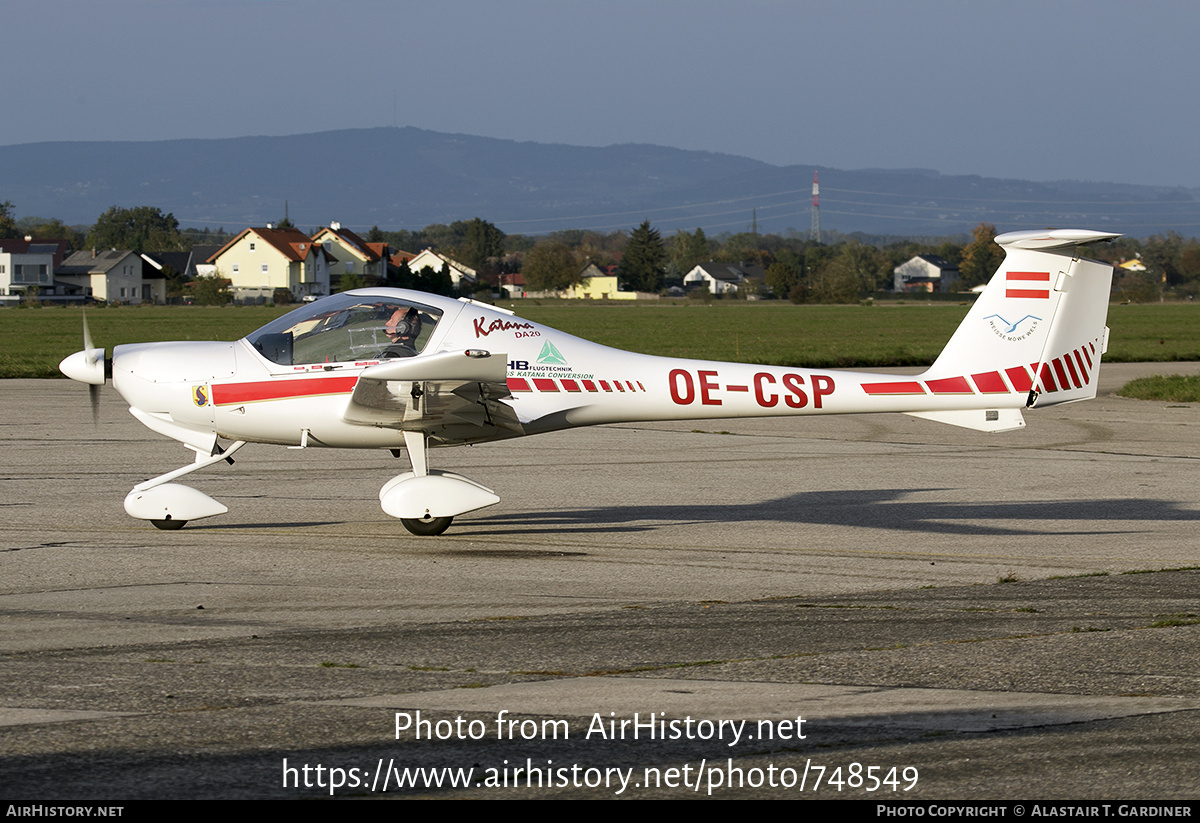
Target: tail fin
[{"x": 1036, "y": 334}]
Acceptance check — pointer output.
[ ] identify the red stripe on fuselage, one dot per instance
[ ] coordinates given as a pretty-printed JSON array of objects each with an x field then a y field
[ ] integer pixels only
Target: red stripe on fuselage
[
  {"x": 1020, "y": 378},
  {"x": 949, "y": 385},
  {"x": 225, "y": 394},
  {"x": 899, "y": 387},
  {"x": 990, "y": 382}
]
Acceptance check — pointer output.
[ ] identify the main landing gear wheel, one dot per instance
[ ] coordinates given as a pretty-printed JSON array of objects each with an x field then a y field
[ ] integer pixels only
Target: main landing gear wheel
[
  {"x": 424, "y": 528},
  {"x": 169, "y": 525}
]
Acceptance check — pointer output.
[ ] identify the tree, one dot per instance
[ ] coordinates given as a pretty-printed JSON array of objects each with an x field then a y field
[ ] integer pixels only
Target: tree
[
  {"x": 781, "y": 279},
  {"x": 481, "y": 242},
  {"x": 205, "y": 237},
  {"x": 143, "y": 228},
  {"x": 403, "y": 278},
  {"x": 173, "y": 284},
  {"x": 436, "y": 236},
  {"x": 211, "y": 290},
  {"x": 641, "y": 266},
  {"x": 836, "y": 282},
  {"x": 745, "y": 247},
  {"x": 688, "y": 250},
  {"x": 350, "y": 281},
  {"x": 863, "y": 262},
  {"x": 435, "y": 282},
  {"x": 8, "y": 226},
  {"x": 551, "y": 265},
  {"x": 1161, "y": 255},
  {"x": 950, "y": 252},
  {"x": 980, "y": 258},
  {"x": 40, "y": 228},
  {"x": 443, "y": 282},
  {"x": 423, "y": 279},
  {"x": 1189, "y": 268}
]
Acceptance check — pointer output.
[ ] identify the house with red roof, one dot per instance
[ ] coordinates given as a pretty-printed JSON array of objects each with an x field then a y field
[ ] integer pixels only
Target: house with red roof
[
  {"x": 260, "y": 262},
  {"x": 349, "y": 253}
]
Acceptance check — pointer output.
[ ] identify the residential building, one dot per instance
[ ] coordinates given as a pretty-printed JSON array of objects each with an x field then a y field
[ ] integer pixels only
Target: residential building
[
  {"x": 201, "y": 267},
  {"x": 511, "y": 284},
  {"x": 435, "y": 261},
  {"x": 109, "y": 276},
  {"x": 723, "y": 278},
  {"x": 260, "y": 262},
  {"x": 925, "y": 272},
  {"x": 28, "y": 266},
  {"x": 349, "y": 253},
  {"x": 599, "y": 284}
]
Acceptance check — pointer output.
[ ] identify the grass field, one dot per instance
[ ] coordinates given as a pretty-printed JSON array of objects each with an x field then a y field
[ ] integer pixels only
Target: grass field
[
  {"x": 33, "y": 341},
  {"x": 1173, "y": 388}
]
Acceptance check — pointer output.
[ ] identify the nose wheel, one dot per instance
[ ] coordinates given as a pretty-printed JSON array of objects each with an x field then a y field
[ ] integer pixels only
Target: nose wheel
[{"x": 427, "y": 528}]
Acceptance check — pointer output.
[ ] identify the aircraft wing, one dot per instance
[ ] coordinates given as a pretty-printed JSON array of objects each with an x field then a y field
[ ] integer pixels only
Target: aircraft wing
[{"x": 453, "y": 396}]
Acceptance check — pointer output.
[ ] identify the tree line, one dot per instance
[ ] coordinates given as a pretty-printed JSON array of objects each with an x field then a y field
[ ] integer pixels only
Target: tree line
[{"x": 841, "y": 269}]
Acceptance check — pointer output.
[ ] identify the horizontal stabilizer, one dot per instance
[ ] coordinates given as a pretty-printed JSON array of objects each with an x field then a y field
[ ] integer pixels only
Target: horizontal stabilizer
[
  {"x": 984, "y": 420},
  {"x": 1046, "y": 239}
]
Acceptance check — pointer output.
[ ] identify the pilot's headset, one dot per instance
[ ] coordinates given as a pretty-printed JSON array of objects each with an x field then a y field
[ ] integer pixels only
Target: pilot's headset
[{"x": 408, "y": 326}]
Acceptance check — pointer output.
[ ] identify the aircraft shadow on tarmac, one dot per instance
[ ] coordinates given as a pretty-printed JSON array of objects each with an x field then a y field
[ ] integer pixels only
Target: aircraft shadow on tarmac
[
  {"x": 239, "y": 526},
  {"x": 871, "y": 508}
]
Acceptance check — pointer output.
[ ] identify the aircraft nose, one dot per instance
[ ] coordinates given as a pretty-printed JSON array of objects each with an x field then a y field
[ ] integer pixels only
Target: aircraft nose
[
  {"x": 85, "y": 366},
  {"x": 160, "y": 376},
  {"x": 182, "y": 362}
]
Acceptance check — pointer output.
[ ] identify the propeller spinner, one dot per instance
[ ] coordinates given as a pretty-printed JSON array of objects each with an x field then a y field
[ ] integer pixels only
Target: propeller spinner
[{"x": 87, "y": 366}]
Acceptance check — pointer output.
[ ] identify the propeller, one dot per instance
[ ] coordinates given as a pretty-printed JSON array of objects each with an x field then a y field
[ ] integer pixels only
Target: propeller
[{"x": 87, "y": 366}]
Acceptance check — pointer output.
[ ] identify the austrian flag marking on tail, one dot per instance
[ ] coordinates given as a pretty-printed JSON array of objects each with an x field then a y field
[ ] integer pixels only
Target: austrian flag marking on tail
[{"x": 1032, "y": 284}]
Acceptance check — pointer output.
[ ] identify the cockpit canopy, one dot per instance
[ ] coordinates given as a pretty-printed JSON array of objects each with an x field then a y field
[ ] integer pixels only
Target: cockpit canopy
[{"x": 347, "y": 328}]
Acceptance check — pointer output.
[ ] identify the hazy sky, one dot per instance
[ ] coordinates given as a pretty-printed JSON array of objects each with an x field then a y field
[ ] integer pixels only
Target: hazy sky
[{"x": 1042, "y": 90}]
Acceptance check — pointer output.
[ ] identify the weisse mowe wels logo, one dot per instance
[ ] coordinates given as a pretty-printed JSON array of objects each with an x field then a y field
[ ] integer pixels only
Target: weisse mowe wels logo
[{"x": 1011, "y": 331}]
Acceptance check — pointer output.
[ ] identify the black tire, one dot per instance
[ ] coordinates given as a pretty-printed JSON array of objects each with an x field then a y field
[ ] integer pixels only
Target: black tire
[
  {"x": 428, "y": 528},
  {"x": 169, "y": 525}
]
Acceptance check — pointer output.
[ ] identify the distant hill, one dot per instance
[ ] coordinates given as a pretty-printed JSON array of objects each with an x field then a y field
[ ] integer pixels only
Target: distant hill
[{"x": 408, "y": 178}]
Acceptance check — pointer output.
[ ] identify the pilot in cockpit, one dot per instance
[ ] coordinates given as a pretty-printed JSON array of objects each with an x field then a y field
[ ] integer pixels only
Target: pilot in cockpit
[{"x": 403, "y": 328}]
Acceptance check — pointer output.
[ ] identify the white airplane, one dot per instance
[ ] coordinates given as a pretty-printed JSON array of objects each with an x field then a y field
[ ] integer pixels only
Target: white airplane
[{"x": 391, "y": 369}]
